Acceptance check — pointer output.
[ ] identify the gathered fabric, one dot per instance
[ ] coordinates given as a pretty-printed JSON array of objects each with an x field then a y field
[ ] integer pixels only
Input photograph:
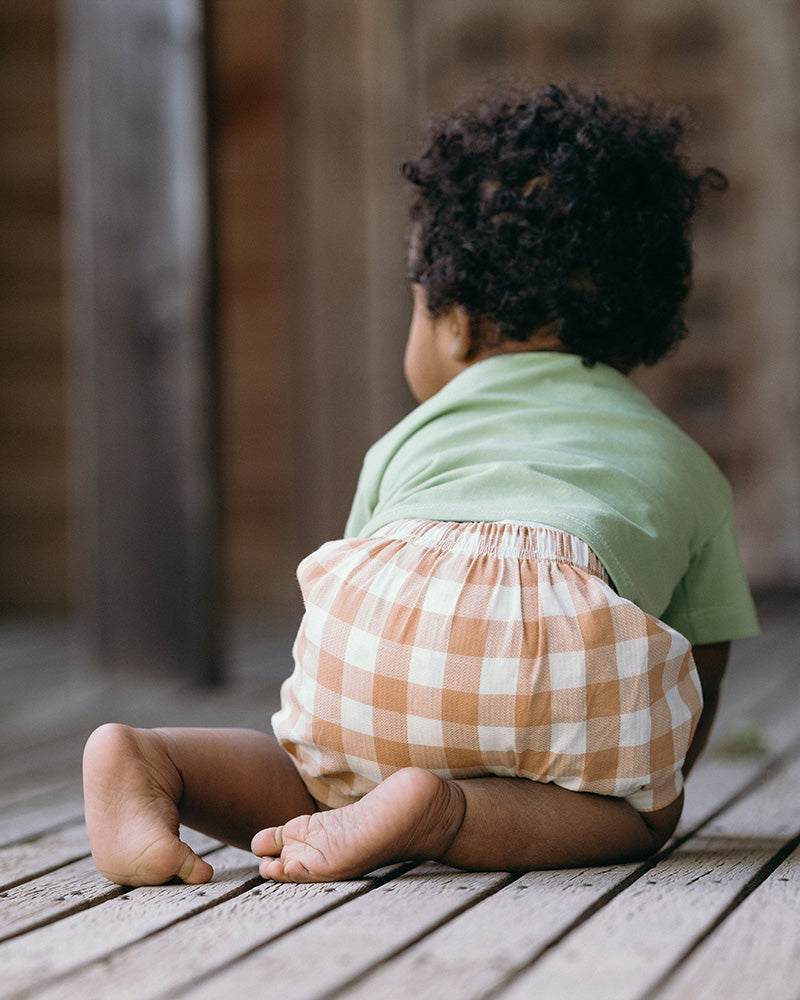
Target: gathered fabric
[{"x": 474, "y": 649}]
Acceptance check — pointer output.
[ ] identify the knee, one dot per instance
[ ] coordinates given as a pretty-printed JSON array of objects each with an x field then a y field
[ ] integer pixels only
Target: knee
[{"x": 661, "y": 823}]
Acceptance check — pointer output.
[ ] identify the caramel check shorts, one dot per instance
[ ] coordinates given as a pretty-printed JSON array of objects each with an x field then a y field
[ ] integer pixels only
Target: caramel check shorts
[{"x": 482, "y": 649}]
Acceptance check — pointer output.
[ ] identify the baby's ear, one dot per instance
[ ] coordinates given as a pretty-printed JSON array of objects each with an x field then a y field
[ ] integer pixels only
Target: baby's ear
[{"x": 460, "y": 329}]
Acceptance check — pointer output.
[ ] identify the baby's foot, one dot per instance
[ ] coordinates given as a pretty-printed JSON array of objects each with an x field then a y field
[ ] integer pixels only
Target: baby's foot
[
  {"x": 131, "y": 792},
  {"x": 413, "y": 815}
]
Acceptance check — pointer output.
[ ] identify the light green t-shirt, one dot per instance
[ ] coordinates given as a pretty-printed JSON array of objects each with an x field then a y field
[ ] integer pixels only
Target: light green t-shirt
[{"x": 539, "y": 437}]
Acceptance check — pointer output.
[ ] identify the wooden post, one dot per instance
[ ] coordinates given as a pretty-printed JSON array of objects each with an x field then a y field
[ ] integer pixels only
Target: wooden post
[
  {"x": 355, "y": 106},
  {"x": 140, "y": 283}
]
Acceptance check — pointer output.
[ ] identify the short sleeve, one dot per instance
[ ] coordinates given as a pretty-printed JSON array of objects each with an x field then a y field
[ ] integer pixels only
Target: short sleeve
[
  {"x": 360, "y": 513},
  {"x": 712, "y": 602},
  {"x": 366, "y": 495}
]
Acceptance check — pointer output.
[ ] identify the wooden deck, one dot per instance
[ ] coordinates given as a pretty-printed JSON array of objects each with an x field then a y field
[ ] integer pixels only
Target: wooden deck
[{"x": 716, "y": 915}]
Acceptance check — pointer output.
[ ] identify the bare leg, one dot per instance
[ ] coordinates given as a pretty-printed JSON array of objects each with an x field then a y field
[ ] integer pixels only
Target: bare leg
[
  {"x": 483, "y": 824},
  {"x": 518, "y": 825},
  {"x": 140, "y": 785}
]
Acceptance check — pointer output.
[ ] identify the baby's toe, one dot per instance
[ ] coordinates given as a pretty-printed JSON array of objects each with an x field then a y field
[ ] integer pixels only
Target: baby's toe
[
  {"x": 272, "y": 868},
  {"x": 267, "y": 842},
  {"x": 289, "y": 870},
  {"x": 194, "y": 870}
]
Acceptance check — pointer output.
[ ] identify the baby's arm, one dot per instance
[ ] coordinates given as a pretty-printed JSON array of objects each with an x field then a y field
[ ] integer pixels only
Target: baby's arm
[{"x": 711, "y": 662}]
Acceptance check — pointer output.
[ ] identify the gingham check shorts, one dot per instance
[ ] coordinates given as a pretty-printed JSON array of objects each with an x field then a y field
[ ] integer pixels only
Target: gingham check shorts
[{"x": 482, "y": 649}]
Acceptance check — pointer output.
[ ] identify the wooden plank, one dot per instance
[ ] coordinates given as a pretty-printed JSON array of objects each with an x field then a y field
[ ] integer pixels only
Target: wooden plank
[
  {"x": 629, "y": 944},
  {"x": 772, "y": 710},
  {"x": 424, "y": 939},
  {"x": 531, "y": 914},
  {"x": 760, "y": 665},
  {"x": 755, "y": 952},
  {"x": 40, "y": 814},
  {"x": 27, "y": 860},
  {"x": 760, "y": 691},
  {"x": 60, "y": 717},
  {"x": 32, "y": 858},
  {"x": 138, "y": 935},
  {"x": 124, "y": 917},
  {"x": 354, "y": 938},
  {"x": 48, "y": 897},
  {"x": 469, "y": 955},
  {"x": 524, "y": 920},
  {"x": 68, "y": 889},
  {"x": 140, "y": 282},
  {"x": 45, "y": 787},
  {"x": 25, "y": 775}
]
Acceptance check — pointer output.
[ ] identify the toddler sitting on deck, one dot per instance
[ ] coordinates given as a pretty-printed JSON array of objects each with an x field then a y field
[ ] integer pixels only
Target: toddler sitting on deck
[{"x": 513, "y": 657}]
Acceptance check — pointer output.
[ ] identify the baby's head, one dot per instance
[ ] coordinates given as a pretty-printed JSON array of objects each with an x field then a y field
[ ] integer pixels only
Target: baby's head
[{"x": 558, "y": 210}]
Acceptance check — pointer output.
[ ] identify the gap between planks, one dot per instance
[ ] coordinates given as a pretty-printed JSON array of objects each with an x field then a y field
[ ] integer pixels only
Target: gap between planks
[
  {"x": 748, "y": 964},
  {"x": 631, "y": 944},
  {"x": 715, "y": 796},
  {"x": 536, "y": 879},
  {"x": 396, "y": 904}
]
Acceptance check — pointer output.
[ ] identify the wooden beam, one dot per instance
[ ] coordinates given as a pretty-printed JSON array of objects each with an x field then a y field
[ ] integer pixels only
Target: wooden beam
[
  {"x": 355, "y": 107},
  {"x": 139, "y": 278}
]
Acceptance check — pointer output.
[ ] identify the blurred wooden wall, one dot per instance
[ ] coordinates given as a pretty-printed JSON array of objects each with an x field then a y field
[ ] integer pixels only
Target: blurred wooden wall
[
  {"x": 733, "y": 385},
  {"x": 316, "y": 103},
  {"x": 253, "y": 64},
  {"x": 34, "y": 563}
]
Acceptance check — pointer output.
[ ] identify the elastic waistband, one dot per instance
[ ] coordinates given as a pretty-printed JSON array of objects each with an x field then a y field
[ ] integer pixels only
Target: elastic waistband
[{"x": 503, "y": 539}]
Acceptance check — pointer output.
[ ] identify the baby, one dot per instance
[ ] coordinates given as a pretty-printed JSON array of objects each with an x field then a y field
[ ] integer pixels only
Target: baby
[{"x": 513, "y": 658}]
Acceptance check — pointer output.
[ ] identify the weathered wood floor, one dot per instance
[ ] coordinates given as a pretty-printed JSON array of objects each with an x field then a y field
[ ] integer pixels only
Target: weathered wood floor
[{"x": 716, "y": 915}]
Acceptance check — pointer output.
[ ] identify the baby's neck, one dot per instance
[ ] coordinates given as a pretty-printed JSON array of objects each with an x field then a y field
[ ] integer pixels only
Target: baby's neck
[{"x": 543, "y": 339}]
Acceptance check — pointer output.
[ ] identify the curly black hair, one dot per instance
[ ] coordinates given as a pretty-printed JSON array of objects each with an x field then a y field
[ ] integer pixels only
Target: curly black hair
[{"x": 559, "y": 208}]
